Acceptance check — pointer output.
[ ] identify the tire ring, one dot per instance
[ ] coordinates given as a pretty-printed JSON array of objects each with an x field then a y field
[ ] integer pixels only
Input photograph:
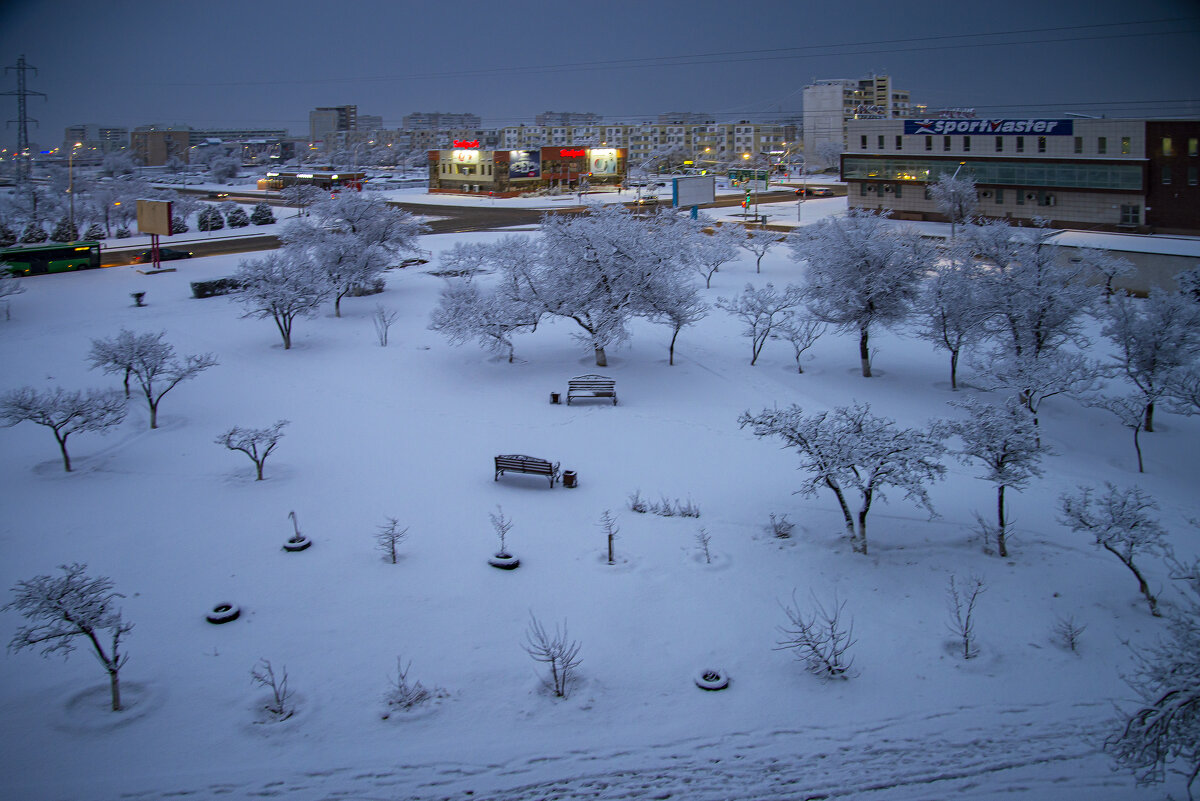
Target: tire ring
[
  {"x": 505, "y": 562},
  {"x": 293, "y": 546},
  {"x": 223, "y": 613},
  {"x": 711, "y": 679}
]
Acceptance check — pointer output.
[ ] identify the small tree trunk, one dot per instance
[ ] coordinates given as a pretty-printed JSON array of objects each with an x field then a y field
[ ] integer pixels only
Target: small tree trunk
[
  {"x": 864, "y": 352},
  {"x": 1149, "y": 418},
  {"x": 601, "y": 359},
  {"x": 127, "y": 373},
  {"x": 114, "y": 686},
  {"x": 258, "y": 465},
  {"x": 1142, "y": 585},
  {"x": 1137, "y": 446},
  {"x": 1001, "y": 533},
  {"x": 62, "y": 446},
  {"x": 954, "y": 370},
  {"x": 153, "y": 414},
  {"x": 671, "y": 350},
  {"x": 846, "y": 515}
]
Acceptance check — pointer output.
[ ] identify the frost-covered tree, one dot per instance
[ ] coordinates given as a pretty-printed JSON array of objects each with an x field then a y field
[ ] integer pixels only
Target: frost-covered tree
[
  {"x": 261, "y": 215},
  {"x": 677, "y": 306},
  {"x": 466, "y": 313},
  {"x": 63, "y": 412},
  {"x": 710, "y": 251},
  {"x": 1105, "y": 268},
  {"x": 179, "y": 225},
  {"x": 956, "y": 198},
  {"x": 1154, "y": 338},
  {"x": 1165, "y": 728},
  {"x": 209, "y": 219},
  {"x": 301, "y": 197},
  {"x": 64, "y": 231},
  {"x": 223, "y": 168},
  {"x": 761, "y": 311},
  {"x": 802, "y": 333},
  {"x": 282, "y": 287},
  {"x": 354, "y": 238},
  {"x": 850, "y": 449},
  {"x": 1130, "y": 411},
  {"x": 1119, "y": 521},
  {"x": 61, "y": 609},
  {"x": 151, "y": 361},
  {"x": 759, "y": 243},
  {"x": 862, "y": 273},
  {"x": 1003, "y": 438},
  {"x": 119, "y": 163},
  {"x": 952, "y": 311},
  {"x": 1034, "y": 379},
  {"x": 34, "y": 233},
  {"x": 1183, "y": 389},
  {"x": 256, "y": 443},
  {"x": 557, "y": 651},
  {"x": 8, "y": 237}
]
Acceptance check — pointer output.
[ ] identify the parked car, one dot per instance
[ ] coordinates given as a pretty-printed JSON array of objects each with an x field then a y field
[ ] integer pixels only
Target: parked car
[
  {"x": 815, "y": 191},
  {"x": 164, "y": 254}
]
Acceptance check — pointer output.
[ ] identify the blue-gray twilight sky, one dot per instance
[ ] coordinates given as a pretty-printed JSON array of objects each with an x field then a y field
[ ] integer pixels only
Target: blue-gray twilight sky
[{"x": 267, "y": 63}]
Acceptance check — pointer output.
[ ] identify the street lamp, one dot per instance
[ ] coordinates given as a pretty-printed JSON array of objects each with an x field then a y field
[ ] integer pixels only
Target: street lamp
[{"x": 71, "y": 186}]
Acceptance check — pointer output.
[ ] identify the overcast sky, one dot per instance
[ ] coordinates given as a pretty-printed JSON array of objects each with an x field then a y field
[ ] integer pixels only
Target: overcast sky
[{"x": 267, "y": 63}]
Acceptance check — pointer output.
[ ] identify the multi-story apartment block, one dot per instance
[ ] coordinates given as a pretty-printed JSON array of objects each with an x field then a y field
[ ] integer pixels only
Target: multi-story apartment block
[
  {"x": 95, "y": 139},
  {"x": 441, "y": 120},
  {"x": 830, "y": 104},
  {"x": 154, "y": 145},
  {"x": 549, "y": 119},
  {"x": 327, "y": 119}
]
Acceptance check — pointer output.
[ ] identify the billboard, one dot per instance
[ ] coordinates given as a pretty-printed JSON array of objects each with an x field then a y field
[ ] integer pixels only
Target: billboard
[
  {"x": 693, "y": 191},
  {"x": 524, "y": 164},
  {"x": 602, "y": 160},
  {"x": 997, "y": 127},
  {"x": 154, "y": 217}
]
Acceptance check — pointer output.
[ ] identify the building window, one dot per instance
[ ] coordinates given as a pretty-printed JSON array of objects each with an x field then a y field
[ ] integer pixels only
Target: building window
[
  {"x": 1131, "y": 215},
  {"x": 1078, "y": 144},
  {"x": 881, "y": 141},
  {"x": 966, "y": 144},
  {"x": 1101, "y": 144},
  {"x": 1020, "y": 144},
  {"x": 1020, "y": 197},
  {"x": 1191, "y": 176},
  {"x": 999, "y": 196},
  {"x": 1126, "y": 147},
  {"x": 901, "y": 186},
  {"x": 1041, "y": 144},
  {"x": 864, "y": 142},
  {"x": 1168, "y": 149},
  {"x": 929, "y": 143},
  {"x": 1193, "y": 143},
  {"x": 945, "y": 143},
  {"x": 899, "y": 142},
  {"x": 862, "y": 189},
  {"x": 1166, "y": 175},
  {"x": 1045, "y": 199}
]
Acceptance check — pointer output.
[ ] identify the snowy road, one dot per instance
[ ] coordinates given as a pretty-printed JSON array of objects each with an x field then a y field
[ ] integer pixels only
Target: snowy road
[{"x": 899, "y": 760}]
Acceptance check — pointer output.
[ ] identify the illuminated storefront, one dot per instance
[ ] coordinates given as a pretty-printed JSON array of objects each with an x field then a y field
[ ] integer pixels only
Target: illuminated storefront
[{"x": 465, "y": 168}]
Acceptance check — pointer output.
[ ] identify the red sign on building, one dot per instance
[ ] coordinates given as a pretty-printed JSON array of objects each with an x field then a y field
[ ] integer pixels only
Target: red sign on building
[
  {"x": 569, "y": 153},
  {"x": 466, "y": 143}
]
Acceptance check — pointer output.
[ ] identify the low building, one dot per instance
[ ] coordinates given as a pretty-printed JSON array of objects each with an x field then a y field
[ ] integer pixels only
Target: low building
[
  {"x": 154, "y": 146},
  {"x": 325, "y": 179},
  {"x": 1099, "y": 174},
  {"x": 504, "y": 173}
]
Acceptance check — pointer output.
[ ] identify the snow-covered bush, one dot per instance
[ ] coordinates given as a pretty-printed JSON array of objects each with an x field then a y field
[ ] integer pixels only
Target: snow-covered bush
[
  {"x": 819, "y": 638},
  {"x": 557, "y": 651}
]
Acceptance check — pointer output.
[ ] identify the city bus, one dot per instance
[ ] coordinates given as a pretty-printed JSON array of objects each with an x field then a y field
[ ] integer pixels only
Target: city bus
[{"x": 51, "y": 257}]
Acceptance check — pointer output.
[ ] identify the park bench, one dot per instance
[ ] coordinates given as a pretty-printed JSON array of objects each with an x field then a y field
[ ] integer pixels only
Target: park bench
[
  {"x": 591, "y": 386},
  {"x": 515, "y": 463}
]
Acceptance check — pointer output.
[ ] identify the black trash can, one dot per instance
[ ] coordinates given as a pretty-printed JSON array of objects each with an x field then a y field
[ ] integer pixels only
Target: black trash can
[{"x": 570, "y": 480}]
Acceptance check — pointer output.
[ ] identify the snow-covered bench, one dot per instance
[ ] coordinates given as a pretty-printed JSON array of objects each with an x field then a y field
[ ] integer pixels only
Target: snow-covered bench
[
  {"x": 591, "y": 386},
  {"x": 515, "y": 463}
]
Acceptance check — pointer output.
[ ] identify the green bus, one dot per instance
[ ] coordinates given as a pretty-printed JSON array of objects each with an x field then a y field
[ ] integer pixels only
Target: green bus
[{"x": 55, "y": 257}]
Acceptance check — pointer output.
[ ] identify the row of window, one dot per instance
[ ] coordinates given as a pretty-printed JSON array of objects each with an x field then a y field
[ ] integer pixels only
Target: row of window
[
  {"x": 1167, "y": 176},
  {"x": 1084, "y": 176},
  {"x": 1018, "y": 144},
  {"x": 1131, "y": 214}
]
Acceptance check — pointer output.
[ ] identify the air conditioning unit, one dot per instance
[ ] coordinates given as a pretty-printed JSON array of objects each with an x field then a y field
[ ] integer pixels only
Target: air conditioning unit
[
  {"x": 986, "y": 193},
  {"x": 1050, "y": 200},
  {"x": 1030, "y": 195}
]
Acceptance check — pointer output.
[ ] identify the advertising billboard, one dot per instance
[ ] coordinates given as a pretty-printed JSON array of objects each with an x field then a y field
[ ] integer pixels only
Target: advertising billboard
[
  {"x": 693, "y": 191},
  {"x": 524, "y": 164},
  {"x": 602, "y": 161},
  {"x": 154, "y": 217},
  {"x": 997, "y": 127}
]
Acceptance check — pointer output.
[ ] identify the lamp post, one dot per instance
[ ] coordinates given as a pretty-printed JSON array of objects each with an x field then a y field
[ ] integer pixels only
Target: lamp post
[{"x": 71, "y": 186}]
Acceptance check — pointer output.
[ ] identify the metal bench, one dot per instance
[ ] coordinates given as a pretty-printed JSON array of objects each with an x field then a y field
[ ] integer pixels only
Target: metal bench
[
  {"x": 515, "y": 463},
  {"x": 591, "y": 386}
]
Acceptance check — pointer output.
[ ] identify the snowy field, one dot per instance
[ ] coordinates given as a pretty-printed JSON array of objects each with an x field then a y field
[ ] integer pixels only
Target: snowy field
[{"x": 409, "y": 431}]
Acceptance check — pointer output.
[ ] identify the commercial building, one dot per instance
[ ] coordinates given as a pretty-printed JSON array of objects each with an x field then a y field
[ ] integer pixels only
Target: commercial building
[
  {"x": 325, "y": 179},
  {"x": 1099, "y": 174},
  {"x": 468, "y": 169}
]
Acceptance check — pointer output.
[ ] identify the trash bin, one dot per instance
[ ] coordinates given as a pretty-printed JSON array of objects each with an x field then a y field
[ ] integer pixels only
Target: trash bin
[
  {"x": 554, "y": 396},
  {"x": 570, "y": 480}
]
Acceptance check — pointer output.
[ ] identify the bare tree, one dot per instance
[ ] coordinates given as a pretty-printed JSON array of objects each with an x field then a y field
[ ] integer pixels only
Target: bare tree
[
  {"x": 280, "y": 707},
  {"x": 1119, "y": 522},
  {"x": 405, "y": 694},
  {"x": 851, "y": 449},
  {"x": 952, "y": 307},
  {"x": 1106, "y": 268},
  {"x": 819, "y": 638},
  {"x": 383, "y": 319},
  {"x": 1165, "y": 727},
  {"x": 151, "y": 361},
  {"x": 63, "y": 412},
  {"x": 257, "y": 443},
  {"x": 956, "y": 198},
  {"x": 761, "y": 310},
  {"x": 62, "y": 608},
  {"x": 703, "y": 538},
  {"x": 1068, "y": 631},
  {"x": 558, "y": 651},
  {"x": 960, "y": 601},
  {"x": 759, "y": 244},
  {"x": 1131, "y": 412},
  {"x": 502, "y": 525},
  {"x": 389, "y": 537},
  {"x": 710, "y": 251},
  {"x": 608, "y": 524},
  {"x": 802, "y": 333}
]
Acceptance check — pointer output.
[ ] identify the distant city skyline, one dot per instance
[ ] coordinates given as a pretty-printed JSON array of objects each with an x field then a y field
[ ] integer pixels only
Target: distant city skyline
[{"x": 266, "y": 64}]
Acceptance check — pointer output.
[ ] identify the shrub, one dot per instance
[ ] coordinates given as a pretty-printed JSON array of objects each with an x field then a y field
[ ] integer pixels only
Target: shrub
[{"x": 219, "y": 286}]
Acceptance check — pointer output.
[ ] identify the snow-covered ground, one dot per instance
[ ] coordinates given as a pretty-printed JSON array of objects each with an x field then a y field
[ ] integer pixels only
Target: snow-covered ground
[{"x": 409, "y": 431}]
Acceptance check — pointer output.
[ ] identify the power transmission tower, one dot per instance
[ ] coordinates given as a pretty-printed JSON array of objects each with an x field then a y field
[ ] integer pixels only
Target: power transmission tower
[{"x": 23, "y": 119}]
